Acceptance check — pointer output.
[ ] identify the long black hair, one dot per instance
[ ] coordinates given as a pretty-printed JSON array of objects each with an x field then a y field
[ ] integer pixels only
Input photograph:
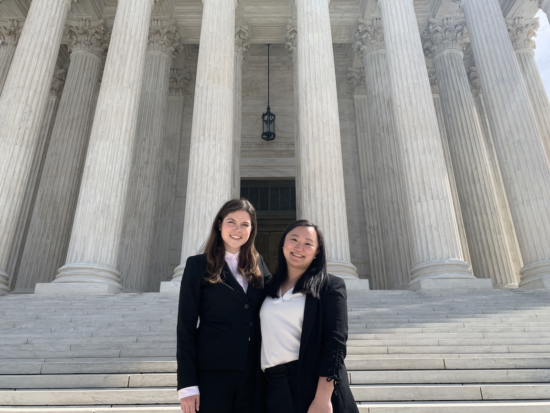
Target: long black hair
[{"x": 313, "y": 279}]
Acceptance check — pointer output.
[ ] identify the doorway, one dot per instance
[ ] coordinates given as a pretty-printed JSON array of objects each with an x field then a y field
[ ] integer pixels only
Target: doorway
[{"x": 275, "y": 204}]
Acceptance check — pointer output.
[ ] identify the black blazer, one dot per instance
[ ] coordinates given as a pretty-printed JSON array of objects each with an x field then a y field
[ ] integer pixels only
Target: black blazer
[
  {"x": 227, "y": 321},
  {"x": 323, "y": 347}
]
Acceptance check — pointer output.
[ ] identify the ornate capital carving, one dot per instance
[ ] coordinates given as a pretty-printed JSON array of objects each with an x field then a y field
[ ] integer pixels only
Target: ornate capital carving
[
  {"x": 433, "y": 80},
  {"x": 87, "y": 36},
  {"x": 58, "y": 82},
  {"x": 242, "y": 39},
  {"x": 164, "y": 37},
  {"x": 447, "y": 34},
  {"x": 369, "y": 37},
  {"x": 179, "y": 80},
  {"x": 522, "y": 31},
  {"x": 474, "y": 81},
  {"x": 291, "y": 37},
  {"x": 9, "y": 35},
  {"x": 356, "y": 80}
]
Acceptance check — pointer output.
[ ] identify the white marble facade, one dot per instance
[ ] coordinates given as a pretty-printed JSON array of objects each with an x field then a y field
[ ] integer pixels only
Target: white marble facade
[{"x": 425, "y": 167}]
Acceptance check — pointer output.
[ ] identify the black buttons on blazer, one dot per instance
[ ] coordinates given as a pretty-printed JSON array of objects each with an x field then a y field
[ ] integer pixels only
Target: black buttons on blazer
[{"x": 246, "y": 306}]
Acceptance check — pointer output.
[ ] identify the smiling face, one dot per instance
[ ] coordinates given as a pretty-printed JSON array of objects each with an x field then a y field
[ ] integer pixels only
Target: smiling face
[
  {"x": 300, "y": 248},
  {"x": 235, "y": 229}
]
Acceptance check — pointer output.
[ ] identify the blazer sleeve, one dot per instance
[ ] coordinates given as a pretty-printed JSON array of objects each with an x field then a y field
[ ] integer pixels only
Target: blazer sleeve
[
  {"x": 335, "y": 330},
  {"x": 188, "y": 315}
]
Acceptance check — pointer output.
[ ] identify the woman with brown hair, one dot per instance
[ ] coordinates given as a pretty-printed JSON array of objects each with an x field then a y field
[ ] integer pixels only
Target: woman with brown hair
[{"x": 223, "y": 289}]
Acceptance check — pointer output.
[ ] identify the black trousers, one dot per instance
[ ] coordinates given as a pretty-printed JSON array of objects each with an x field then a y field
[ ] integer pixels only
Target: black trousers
[
  {"x": 282, "y": 388},
  {"x": 228, "y": 391}
]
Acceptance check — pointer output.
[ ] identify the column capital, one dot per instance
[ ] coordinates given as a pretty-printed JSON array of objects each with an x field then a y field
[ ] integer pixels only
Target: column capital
[
  {"x": 447, "y": 34},
  {"x": 291, "y": 38},
  {"x": 369, "y": 37},
  {"x": 58, "y": 82},
  {"x": 9, "y": 35},
  {"x": 164, "y": 37},
  {"x": 356, "y": 80},
  {"x": 86, "y": 36},
  {"x": 179, "y": 80},
  {"x": 242, "y": 39},
  {"x": 522, "y": 31}
]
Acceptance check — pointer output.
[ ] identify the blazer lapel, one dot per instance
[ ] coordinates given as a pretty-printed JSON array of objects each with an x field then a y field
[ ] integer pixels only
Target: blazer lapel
[
  {"x": 230, "y": 279},
  {"x": 309, "y": 319}
]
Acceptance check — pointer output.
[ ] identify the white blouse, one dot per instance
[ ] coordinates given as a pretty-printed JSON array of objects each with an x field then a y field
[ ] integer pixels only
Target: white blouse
[{"x": 281, "y": 323}]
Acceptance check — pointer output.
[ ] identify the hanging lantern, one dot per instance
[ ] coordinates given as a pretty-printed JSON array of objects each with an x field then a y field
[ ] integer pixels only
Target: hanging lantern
[{"x": 268, "y": 118}]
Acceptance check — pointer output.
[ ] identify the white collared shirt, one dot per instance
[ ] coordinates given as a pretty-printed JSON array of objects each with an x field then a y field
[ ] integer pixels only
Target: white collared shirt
[
  {"x": 232, "y": 261},
  {"x": 282, "y": 320}
]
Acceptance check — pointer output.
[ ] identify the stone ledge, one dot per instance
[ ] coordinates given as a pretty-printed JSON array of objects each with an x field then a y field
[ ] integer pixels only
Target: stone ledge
[
  {"x": 76, "y": 289},
  {"x": 451, "y": 284}
]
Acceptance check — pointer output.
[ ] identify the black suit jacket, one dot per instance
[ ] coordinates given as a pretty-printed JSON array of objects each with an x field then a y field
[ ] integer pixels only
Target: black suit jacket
[
  {"x": 323, "y": 347},
  {"x": 227, "y": 321}
]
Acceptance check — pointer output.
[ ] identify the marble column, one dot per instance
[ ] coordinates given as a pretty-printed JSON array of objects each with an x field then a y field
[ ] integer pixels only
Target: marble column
[
  {"x": 50, "y": 114},
  {"x": 9, "y": 36},
  {"x": 369, "y": 188},
  {"x": 449, "y": 163},
  {"x": 53, "y": 213},
  {"x": 437, "y": 253},
  {"x": 167, "y": 184},
  {"x": 138, "y": 232},
  {"x": 545, "y": 6},
  {"x": 291, "y": 46},
  {"x": 22, "y": 107},
  {"x": 444, "y": 43},
  {"x": 521, "y": 32},
  {"x": 524, "y": 167},
  {"x": 94, "y": 247},
  {"x": 322, "y": 176},
  {"x": 370, "y": 48},
  {"x": 211, "y": 156},
  {"x": 498, "y": 183},
  {"x": 242, "y": 43}
]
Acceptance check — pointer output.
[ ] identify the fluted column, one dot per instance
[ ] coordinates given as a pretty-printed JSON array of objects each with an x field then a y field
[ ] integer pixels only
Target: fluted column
[
  {"x": 449, "y": 163},
  {"x": 545, "y": 6},
  {"x": 389, "y": 174},
  {"x": 292, "y": 48},
  {"x": 9, "y": 36},
  {"x": 369, "y": 189},
  {"x": 167, "y": 184},
  {"x": 322, "y": 176},
  {"x": 525, "y": 169},
  {"x": 211, "y": 157},
  {"x": 521, "y": 32},
  {"x": 138, "y": 232},
  {"x": 496, "y": 175},
  {"x": 443, "y": 43},
  {"x": 438, "y": 258},
  {"x": 22, "y": 106},
  {"x": 94, "y": 247},
  {"x": 52, "y": 217},
  {"x": 242, "y": 43},
  {"x": 50, "y": 114}
]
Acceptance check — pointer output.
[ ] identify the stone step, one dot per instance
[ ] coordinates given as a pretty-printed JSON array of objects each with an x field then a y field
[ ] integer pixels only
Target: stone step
[
  {"x": 448, "y": 342},
  {"x": 449, "y": 349}
]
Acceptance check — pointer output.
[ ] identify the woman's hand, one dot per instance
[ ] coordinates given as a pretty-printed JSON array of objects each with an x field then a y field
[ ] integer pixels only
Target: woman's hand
[
  {"x": 191, "y": 404},
  {"x": 320, "y": 406}
]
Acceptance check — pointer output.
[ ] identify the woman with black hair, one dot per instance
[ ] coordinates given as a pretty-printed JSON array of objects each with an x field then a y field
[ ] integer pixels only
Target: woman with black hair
[
  {"x": 304, "y": 328},
  {"x": 223, "y": 288}
]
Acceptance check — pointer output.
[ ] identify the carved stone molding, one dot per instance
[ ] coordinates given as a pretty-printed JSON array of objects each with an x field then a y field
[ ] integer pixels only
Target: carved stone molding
[
  {"x": 9, "y": 35},
  {"x": 88, "y": 37},
  {"x": 291, "y": 37},
  {"x": 433, "y": 80},
  {"x": 179, "y": 80},
  {"x": 446, "y": 34},
  {"x": 58, "y": 82},
  {"x": 164, "y": 37},
  {"x": 356, "y": 80},
  {"x": 522, "y": 31},
  {"x": 369, "y": 37},
  {"x": 475, "y": 83},
  {"x": 242, "y": 39}
]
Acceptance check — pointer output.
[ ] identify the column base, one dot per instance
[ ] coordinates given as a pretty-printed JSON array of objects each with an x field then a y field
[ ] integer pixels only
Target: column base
[
  {"x": 83, "y": 272},
  {"x": 451, "y": 274},
  {"x": 74, "y": 288},
  {"x": 342, "y": 269},
  {"x": 170, "y": 286},
  {"x": 357, "y": 284},
  {"x": 536, "y": 275},
  {"x": 178, "y": 273},
  {"x": 451, "y": 284},
  {"x": 4, "y": 280}
]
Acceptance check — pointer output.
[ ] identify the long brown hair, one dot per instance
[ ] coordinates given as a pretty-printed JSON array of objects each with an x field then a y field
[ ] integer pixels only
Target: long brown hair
[{"x": 248, "y": 256}]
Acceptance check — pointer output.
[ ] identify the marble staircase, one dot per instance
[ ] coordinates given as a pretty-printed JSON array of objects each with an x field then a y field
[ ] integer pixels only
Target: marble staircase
[{"x": 414, "y": 352}]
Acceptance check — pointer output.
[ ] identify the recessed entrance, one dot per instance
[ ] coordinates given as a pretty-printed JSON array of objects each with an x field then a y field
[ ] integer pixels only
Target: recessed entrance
[{"x": 275, "y": 203}]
